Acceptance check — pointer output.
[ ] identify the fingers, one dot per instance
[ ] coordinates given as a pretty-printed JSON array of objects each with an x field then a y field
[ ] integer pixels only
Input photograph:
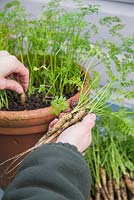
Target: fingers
[
  {"x": 52, "y": 123},
  {"x": 11, "y": 85},
  {"x": 89, "y": 120},
  {"x": 23, "y": 77},
  {"x": 10, "y": 65},
  {"x": 21, "y": 71}
]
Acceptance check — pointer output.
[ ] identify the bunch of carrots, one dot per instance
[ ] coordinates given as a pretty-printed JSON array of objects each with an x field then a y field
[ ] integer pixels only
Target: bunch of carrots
[{"x": 111, "y": 157}]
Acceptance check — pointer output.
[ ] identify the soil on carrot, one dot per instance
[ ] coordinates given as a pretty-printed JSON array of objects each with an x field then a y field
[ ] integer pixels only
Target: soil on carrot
[{"x": 32, "y": 103}]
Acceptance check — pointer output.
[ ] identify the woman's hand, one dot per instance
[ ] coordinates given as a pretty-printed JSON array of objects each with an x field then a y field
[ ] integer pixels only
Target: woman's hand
[
  {"x": 79, "y": 134},
  {"x": 11, "y": 67}
]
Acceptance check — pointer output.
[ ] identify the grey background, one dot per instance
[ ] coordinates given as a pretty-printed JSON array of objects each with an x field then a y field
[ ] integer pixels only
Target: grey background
[{"x": 113, "y": 8}]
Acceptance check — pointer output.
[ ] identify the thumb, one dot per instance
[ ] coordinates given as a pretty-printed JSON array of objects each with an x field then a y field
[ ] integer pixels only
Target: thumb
[
  {"x": 10, "y": 85},
  {"x": 4, "y": 53},
  {"x": 89, "y": 120}
]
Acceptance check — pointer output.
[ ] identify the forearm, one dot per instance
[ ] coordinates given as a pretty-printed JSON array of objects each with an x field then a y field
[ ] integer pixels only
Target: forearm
[{"x": 54, "y": 172}]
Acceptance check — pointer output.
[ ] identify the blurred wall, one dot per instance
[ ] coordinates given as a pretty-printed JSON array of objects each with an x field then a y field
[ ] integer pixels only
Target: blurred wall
[{"x": 107, "y": 7}]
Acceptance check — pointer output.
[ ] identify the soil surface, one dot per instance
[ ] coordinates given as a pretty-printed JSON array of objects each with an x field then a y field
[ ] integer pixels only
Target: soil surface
[{"x": 32, "y": 103}]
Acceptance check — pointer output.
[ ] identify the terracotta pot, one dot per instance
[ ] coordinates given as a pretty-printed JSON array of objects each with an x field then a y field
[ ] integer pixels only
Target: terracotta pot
[{"x": 20, "y": 130}]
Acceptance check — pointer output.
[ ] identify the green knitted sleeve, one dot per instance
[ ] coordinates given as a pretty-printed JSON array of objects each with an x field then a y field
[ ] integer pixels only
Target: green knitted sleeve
[{"x": 51, "y": 172}]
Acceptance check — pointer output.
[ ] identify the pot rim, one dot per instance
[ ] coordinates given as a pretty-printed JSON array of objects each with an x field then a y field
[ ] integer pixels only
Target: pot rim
[
  {"x": 28, "y": 114},
  {"x": 41, "y": 112}
]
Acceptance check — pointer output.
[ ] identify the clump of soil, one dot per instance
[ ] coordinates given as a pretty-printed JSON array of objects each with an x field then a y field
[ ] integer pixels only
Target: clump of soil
[{"x": 33, "y": 102}]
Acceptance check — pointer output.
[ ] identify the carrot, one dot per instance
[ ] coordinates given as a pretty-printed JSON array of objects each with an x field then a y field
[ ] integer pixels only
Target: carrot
[
  {"x": 111, "y": 189},
  {"x": 129, "y": 183},
  {"x": 55, "y": 128},
  {"x": 117, "y": 190},
  {"x": 123, "y": 190},
  {"x": 23, "y": 98},
  {"x": 97, "y": 192},
  {"x": 104, "y": 181},
  {"x": 63, "y": 123},
  {"x": 75, "y": 119},
  {"x": 105, "y": 197},
  {"x": 60, "y": 123},
  {"x": 55, "y": 135}
]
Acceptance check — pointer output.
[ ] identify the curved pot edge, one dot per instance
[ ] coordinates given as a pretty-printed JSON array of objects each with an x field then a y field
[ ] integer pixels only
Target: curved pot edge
[
  {"x": 38, "y": 113},
  {"x": 30, "y": 114}
]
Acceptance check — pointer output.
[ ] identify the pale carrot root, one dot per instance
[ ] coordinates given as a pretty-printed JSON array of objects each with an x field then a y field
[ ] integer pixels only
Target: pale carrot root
[
  {"x": 123, "y": 190},
  {"x": 117, "y": 190},
  {"x": 104, "y": 181},
  {"x": 60, "y": 123},
  {"x": 55, "y": 128},
  {"x": 97, "y": 192},
  {"x": 78, "y": 116},
  {"x": 129, "y": 183},
  {"x": 23, "y": 98},
  {"x": 111, "y": 189},
  {"x": 103, "y": 193},
  {"x": 15, "y": 159}
]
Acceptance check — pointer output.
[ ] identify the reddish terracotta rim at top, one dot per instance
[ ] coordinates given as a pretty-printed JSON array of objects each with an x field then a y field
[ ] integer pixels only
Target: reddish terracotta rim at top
[
  {"x": 31, "y": 121},
  {"x": 26, "y": 114}
]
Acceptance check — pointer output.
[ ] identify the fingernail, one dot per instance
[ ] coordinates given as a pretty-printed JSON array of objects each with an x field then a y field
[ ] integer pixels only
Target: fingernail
[
  {"x": 19, "y": 90},
  {"x": 93, "y": 116}
]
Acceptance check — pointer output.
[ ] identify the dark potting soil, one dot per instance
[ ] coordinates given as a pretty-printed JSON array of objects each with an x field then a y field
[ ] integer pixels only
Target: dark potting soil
[{"x": 32, "y": 103}]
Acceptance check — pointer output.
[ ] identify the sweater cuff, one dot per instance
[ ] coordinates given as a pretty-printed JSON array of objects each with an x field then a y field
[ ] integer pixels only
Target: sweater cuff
[
  {"x": 52, "y": 149},
  {"x": 66, "y": 145}
]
